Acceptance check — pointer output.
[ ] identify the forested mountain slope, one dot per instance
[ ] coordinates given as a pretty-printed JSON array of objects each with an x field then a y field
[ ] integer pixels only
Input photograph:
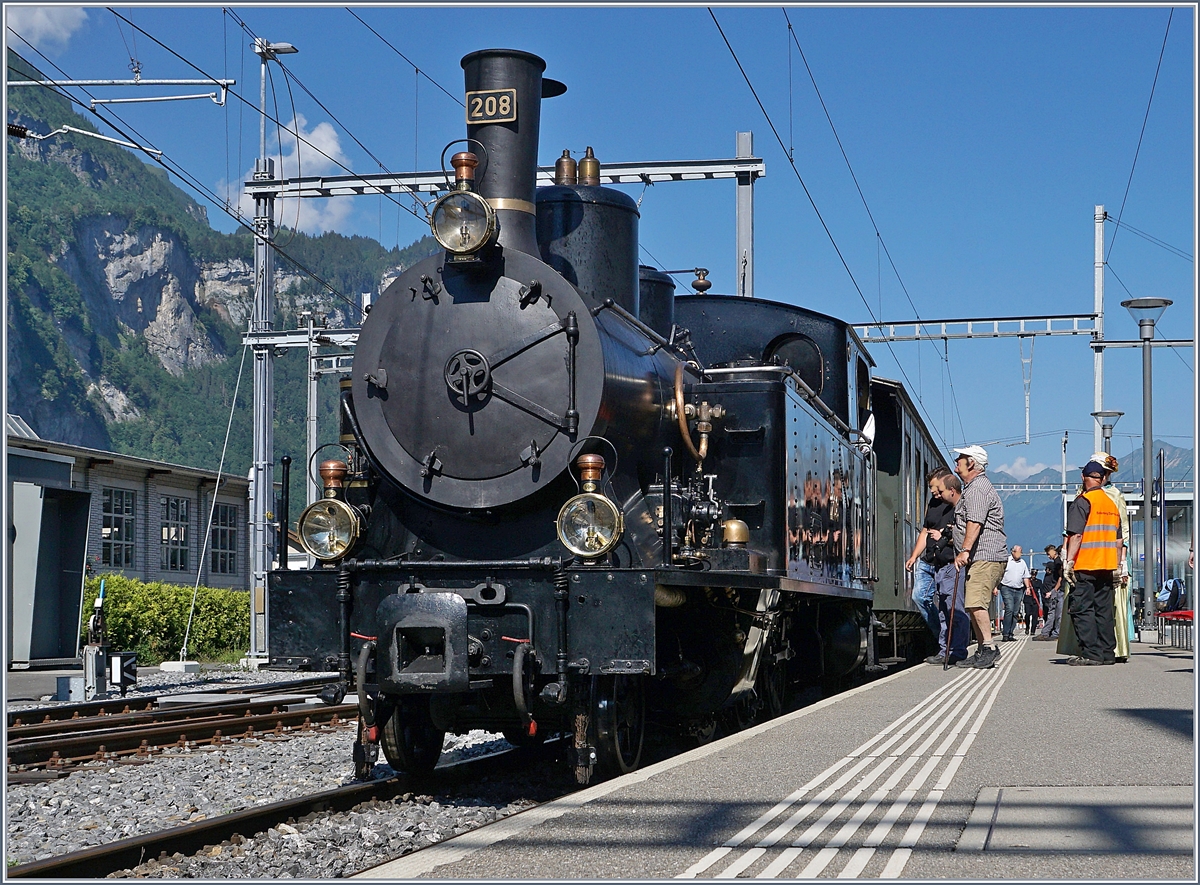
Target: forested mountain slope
[{"x": 126, "y": 308}]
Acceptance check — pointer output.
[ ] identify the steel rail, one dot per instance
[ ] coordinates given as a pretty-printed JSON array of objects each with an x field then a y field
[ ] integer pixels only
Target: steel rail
[
  {"x": 58, "y": 752},
  {"x": 125, "y": 854},
  {"x": 114, "y": 706},
  {"x": 142, "y": 718}
]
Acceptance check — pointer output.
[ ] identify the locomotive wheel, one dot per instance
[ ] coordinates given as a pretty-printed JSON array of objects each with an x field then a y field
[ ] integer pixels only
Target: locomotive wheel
[
  {"x": 410, "y": 741},
  {"x": 744, "y": 713},
  {"x": 620, "y": 720},
  {"x": 772, "y": 687}
]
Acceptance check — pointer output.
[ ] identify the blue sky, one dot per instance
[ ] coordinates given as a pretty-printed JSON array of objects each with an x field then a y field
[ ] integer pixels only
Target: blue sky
[{"x": 981, "y": 137}]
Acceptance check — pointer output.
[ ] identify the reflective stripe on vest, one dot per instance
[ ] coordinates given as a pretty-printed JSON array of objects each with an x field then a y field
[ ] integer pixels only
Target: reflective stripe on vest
[{"x": 1098, "y": 549}]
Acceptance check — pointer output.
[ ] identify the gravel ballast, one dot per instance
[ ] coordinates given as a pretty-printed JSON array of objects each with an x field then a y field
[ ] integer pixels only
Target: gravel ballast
[{"x": 97, "y": 805}]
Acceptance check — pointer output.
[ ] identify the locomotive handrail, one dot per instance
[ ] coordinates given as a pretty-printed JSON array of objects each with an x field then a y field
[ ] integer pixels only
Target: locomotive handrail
[
  {"x": 654, "y": 336},
  {"x": 802, "y": 388}
]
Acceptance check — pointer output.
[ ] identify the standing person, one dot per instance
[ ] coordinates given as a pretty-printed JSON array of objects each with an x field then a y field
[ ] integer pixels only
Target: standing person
[
  {"x": 922, "y": 561},
  {"x": 1095, "y": 546},
  {"x": 949, "y": 584},
  {"x": 1033, "y": 603},
  {"x": 1052, "y": 587},
  {"x": 1014, "y": 584},
  {"x": 1122, "y": 602},
  {"x": 983, "y": 548}
]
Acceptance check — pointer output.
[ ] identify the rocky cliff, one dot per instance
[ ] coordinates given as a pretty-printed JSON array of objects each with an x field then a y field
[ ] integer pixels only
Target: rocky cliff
[{"x": 125, "y": 306}]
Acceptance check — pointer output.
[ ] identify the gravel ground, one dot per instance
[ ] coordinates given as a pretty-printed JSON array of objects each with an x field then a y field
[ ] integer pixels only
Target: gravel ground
[{"x": 98, "y": 805}]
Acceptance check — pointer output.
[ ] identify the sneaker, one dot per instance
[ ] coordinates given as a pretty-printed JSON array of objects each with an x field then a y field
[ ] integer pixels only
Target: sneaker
[
  {"x": 968, "y": 662},
  {"x": 1008, "y": 639},
  {"x": 987, "y": 658},
  {"x": 934, "y": 659},
  {"x": 1084, "y": 662},
  {"x": 1041, "y": 638}
]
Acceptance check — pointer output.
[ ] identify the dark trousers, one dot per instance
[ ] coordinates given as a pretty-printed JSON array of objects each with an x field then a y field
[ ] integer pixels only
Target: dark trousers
[
  {"x": 1053, "y": 612},
  {"x": 1091, "y": 606},
  {"x": 949, "y": 595},
  {"x": 1031, "y": 614}
]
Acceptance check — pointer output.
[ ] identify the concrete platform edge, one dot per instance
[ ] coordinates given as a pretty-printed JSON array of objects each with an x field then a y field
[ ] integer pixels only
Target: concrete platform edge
[
  {"x": 454, "y": 850},
  {"x": 979, "y": 824}
]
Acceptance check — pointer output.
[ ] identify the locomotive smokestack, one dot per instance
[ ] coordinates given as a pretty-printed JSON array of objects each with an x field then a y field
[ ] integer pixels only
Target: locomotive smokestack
[{"x": 504, "y": 91}]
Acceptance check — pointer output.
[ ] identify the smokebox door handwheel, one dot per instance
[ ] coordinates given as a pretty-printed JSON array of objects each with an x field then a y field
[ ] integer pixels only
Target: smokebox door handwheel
[{"x": 497, "y": 384}]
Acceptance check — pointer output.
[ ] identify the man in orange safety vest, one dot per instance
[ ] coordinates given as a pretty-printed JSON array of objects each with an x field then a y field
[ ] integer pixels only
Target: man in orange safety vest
[{"x": 1095, "y": 548}]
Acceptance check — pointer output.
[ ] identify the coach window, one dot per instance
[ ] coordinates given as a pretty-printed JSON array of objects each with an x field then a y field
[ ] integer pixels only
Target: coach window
[
  {"x": 224, "y": 540},
  {"x": 118, "y": 507},
  {"x": 175, "y": 533}
]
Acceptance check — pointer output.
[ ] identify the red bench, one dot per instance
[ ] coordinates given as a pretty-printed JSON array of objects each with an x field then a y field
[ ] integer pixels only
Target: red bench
[{"x": 1176, "y": 627}]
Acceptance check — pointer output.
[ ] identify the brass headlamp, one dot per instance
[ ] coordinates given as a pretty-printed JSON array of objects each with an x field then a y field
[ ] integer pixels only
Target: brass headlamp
[
  {"x": 590, "y": 524},
  {"x": 462, "y": 221}
]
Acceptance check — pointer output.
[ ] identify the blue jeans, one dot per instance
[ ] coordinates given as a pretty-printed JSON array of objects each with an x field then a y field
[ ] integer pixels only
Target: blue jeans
[
  {"x": 949, "y": 601},
  {"x": 923, "y": 579},
  {"x": 1012, "y": 606}
]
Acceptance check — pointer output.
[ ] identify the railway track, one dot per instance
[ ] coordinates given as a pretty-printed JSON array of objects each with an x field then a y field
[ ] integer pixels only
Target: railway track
[
  {"x": 51, "y": 741},
  {"x": 64, "y": 751},
  {"x": 142, "y": 703},
  {"x": 189, "y": 839}
]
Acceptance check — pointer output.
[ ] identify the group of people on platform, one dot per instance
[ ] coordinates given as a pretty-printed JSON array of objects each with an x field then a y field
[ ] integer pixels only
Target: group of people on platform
[{"x": 965, "y": 574}]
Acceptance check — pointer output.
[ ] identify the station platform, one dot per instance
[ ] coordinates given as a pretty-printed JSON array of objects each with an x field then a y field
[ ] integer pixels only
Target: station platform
[{"x": 1032, "y": 770}]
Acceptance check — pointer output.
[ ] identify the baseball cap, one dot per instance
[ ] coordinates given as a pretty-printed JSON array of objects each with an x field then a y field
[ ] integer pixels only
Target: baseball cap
[
  {"x": 1106, "y": 460},
  {"x": 1094, "y": 467},
  {"x": 979, "y": 453}
]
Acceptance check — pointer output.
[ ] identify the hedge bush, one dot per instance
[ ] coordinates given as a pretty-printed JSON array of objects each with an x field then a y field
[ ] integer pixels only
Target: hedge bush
[{"x": 151, "y": 618}]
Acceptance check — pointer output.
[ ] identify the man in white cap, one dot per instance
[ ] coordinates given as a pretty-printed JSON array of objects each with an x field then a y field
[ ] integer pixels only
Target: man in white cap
[{"x": 982, "y": 548}]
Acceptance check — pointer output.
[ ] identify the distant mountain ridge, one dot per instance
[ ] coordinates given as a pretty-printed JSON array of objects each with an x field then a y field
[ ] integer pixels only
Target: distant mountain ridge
[
  {"x": 126, "y": 309},
  {"x": 1034, "y": 519}
]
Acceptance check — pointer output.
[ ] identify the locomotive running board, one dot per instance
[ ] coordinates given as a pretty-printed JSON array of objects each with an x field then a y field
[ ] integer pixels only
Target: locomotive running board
[{"x": 715, "y": 578}]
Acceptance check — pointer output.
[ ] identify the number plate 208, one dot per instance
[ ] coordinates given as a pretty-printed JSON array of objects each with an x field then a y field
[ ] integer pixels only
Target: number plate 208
[{"x": 492, "y": 106}]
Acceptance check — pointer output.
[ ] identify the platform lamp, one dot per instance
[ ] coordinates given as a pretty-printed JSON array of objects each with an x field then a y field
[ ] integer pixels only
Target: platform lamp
[
  {"x": 1108, "y": 420},
  {"x": 1146, "y": 312}
]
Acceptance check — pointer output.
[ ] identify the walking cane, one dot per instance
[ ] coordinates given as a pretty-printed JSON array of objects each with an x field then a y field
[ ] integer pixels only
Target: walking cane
[{"x": 950, "y": 623}]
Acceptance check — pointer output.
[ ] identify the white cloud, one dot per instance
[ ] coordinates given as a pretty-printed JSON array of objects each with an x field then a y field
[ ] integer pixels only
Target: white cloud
[
  {"x": 317, "y": 151},
  {"x": 1021, "y": 469},
  {"x": 46, "y": 27}
]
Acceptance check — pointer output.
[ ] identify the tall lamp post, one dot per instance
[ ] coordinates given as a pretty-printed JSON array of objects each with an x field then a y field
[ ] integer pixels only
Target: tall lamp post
[
  {"x": 1146, "y": 312},
  {"x": 262, "y": 470},
  {"x": 1108, "y": 420}
]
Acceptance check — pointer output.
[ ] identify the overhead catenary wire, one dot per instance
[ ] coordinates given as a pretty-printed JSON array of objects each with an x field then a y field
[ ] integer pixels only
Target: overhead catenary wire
[
  {"x": 820, "y": 218},
  {"x": 135, "y": 66},
  {"x": 279, "y": 130},
  {"x": 415, "y": 68},
  {"x": 195, "y": 183},
  {"x": 880, "y": 242},
  {"x": 1186, "y": 256},
  {"x": 1157, "y": 331},
  {"x": 336, "y": 162},
  {"x": 213, "y": 507},
  {"x": 1141, "y": 134},
  {"x": 172, "y": 166}
]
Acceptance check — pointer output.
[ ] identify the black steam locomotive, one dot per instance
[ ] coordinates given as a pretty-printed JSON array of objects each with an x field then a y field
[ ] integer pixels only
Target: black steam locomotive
[{"x": 572, "y": 502}]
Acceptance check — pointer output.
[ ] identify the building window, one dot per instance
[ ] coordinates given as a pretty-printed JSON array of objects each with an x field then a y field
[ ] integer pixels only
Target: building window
[
  {"x": 117, "y": 529},
  {"x": 224, "y": 540},
  {"x": 175, "y": 522}
]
